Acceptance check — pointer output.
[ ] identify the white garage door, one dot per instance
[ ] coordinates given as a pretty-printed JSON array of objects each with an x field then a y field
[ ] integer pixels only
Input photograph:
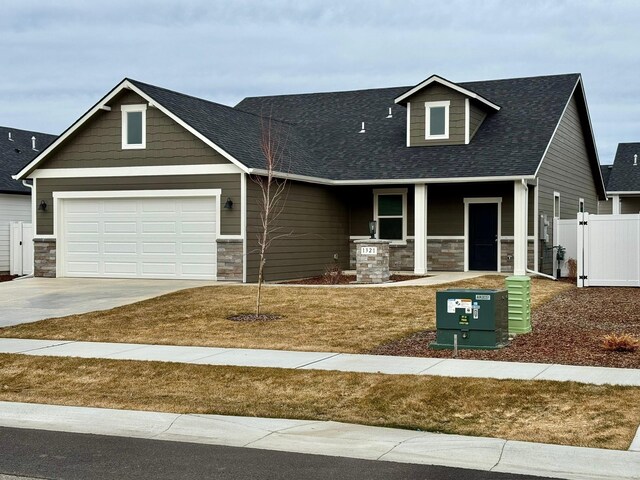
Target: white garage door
[{"x": 140, "y": 237}]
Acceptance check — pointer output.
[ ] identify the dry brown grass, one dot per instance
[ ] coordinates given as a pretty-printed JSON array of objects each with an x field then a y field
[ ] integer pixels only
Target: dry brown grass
[
  {"x": 538, "y": 411},
  {"x": 327, "y": 319}
]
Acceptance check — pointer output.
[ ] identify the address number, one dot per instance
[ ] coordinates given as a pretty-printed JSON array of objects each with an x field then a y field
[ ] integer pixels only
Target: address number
[{"x": 368, "y": 250}]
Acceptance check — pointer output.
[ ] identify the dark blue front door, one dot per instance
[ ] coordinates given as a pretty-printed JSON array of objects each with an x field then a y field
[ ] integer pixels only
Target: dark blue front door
[{"x": 483, "y": 236}]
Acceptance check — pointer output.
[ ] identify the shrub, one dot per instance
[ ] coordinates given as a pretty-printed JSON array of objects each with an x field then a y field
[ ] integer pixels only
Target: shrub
[
  {"x": 333, "y": 274},
  {"x": 572, "y": 267},
  {"x": 623, "y": 342}
]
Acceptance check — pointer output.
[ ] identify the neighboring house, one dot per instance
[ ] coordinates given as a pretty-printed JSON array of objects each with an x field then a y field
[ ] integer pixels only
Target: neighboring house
[
  {"x": 461, "y": 176},
  {"x": 17, "y": 148},
  {"x": 622, "y": 181}
]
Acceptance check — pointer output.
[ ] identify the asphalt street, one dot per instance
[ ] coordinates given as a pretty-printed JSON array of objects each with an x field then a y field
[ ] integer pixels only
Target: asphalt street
[{"x": 69, "y": 456}]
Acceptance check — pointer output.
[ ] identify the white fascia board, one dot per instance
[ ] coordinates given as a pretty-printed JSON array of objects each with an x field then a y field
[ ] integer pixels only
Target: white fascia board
[
  {"x": 627, "y": 192},
  {"x": 204, "y": 192},
  {"x": 451, "y": 85},
  {"x": 380, "y": 181},
  {"x": 135, "y": 171},
  {"x": 125, "y": 84}
]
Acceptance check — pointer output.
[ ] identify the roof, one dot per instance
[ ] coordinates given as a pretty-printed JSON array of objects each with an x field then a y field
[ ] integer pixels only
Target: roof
[
  {"x": 323, "y": 144},
  {"x": 625, "y": 176},
  {"x": 605, "y": 170},
  {"x": 510, "y": 142},
  {"x": 16, "y": 154}
]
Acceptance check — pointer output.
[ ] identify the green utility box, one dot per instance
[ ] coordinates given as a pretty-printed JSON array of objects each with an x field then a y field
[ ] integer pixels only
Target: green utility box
[
  {"x": 519, "y": 288},
  {"x": 478, "y": 318}
]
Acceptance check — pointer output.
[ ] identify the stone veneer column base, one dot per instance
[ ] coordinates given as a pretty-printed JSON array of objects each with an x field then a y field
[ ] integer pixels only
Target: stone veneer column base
[
  {"x": 506, "y": 254},
  {"x": 401, "y": 256},
  {"x": 229, "y": 260},
  {"x": 372, "y": 267},
  {"x": 44, "y": 257}
]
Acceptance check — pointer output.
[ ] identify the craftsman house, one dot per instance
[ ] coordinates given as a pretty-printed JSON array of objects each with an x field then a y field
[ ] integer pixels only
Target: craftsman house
[
  {"x": 459, "y": 176},
  {"x": 622, "y": 181}
]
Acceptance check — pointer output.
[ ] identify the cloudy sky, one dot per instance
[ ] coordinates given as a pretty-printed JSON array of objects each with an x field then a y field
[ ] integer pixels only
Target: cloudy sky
[{"x": 60, "y": 57}]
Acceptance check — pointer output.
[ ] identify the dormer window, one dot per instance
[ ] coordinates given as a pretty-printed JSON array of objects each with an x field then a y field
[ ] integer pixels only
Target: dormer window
[
  {"x": 437, "y": 120},
  {"x": 134, "y": 126}
]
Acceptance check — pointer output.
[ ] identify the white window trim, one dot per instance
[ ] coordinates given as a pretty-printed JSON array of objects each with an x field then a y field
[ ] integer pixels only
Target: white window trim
[
  {"x": 427, "y": 107},
  {"x": 134, "y": 108},
  {"x": 391, "y": 191},
  {"x": 556, "y": 214},
  {"x": 467, "y": 201}
]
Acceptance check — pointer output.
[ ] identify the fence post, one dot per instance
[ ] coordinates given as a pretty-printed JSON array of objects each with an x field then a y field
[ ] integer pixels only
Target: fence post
[{"x": 580, "y": 253}]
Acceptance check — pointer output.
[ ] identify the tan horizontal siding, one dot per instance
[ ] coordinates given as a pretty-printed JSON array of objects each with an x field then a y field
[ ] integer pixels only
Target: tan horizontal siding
[
  {"x": 476, "y": 116},
  {"x": 630, "y": 205},
  {"x": 230, "y": 185},
  {"x": 417, "y": 121}
]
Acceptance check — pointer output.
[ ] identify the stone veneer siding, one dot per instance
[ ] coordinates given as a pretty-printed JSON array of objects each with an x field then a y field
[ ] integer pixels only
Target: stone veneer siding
[
  {"x": 506, "y": 251},
  {"x": 44, "y": 258},
  {"x": 229, "y": 260},
  {"x": 372, "y": 268},
  {"x": 445, "y": 255},
  {"x": 401, "y": 257}
]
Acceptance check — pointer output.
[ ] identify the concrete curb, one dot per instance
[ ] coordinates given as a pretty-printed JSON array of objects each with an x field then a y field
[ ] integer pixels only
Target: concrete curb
[
  {"x": 333, "y": 439},
  {"x": 345, "y": 362}
]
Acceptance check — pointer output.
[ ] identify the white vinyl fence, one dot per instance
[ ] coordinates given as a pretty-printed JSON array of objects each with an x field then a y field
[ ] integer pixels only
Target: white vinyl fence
[
  {"x": 608, "y": 249},
  {"x": 20, "y": 248},
  {"x": 565, "y": 235}
]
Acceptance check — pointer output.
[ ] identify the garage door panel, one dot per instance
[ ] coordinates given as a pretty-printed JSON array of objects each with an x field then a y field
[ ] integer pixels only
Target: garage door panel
[{"x": 149, "y": 238}]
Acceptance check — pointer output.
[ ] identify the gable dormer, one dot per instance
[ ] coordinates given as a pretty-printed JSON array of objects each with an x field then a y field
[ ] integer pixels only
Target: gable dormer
[{"x": 439, "y": 112}]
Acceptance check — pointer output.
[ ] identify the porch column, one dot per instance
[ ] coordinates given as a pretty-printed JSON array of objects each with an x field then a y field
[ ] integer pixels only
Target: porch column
[
  {"x": 615, "y": 204},
  {"x": 520, "y": 216},
  {"x": 420, "y": 230}
]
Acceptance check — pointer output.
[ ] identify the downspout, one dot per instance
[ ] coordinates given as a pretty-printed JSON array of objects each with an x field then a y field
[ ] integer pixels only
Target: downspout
[{"x": 528, "y": 270}]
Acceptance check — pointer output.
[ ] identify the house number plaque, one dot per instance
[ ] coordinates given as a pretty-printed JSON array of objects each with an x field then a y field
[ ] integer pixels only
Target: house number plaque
[{"x": 369, "y": 250}]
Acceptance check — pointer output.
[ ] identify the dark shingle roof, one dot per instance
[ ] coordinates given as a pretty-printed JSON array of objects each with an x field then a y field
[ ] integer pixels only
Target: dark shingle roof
[
  {"x": 14, "y": 155},
  {"x": 606, "y": 173},
  {"x": 625, "y": 177},
  {"x": 509, "y": 142}
]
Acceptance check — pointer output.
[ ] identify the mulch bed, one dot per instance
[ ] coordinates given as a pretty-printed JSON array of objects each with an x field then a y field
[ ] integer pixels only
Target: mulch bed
[
  {"x": 345, "y": 280},
  {"x": 568, "y": 330},
  {"x": 252, "y": 317},
  {"x": 7, "y": 278}
]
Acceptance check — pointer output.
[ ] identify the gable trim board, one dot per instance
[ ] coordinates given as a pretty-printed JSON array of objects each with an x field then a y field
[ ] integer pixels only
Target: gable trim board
[
  {"x": 125, "y": 84},
  {"x": 446, "y": 83}
]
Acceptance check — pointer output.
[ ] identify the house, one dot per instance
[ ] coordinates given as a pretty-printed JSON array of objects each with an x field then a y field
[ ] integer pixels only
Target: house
[
  {"x": 17, "y": 148},
  {"x": 622, "y": 181},
  {"x": 459, "y": 176}
]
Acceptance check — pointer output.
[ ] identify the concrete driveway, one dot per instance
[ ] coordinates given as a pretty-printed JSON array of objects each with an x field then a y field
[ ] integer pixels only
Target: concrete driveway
[{"x": 32, "y": 299}]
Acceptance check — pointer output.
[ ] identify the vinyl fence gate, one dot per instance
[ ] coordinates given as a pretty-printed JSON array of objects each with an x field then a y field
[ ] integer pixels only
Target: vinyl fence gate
[
  {"x": 20, "y": 248},
  {"x": 608, "y": 250}
]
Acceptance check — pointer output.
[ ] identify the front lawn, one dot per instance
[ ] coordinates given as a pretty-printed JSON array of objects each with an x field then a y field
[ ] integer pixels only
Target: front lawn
[
  {"x": 353, "y": 320},
  {"x": 535, "y": 411}
]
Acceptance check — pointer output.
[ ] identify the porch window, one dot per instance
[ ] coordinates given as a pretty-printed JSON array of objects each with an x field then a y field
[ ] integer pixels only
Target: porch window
[
  {"x": 390, "y": 211},
  {"x": 437, "y": 120},
  {"x": 134, "y": 128}
]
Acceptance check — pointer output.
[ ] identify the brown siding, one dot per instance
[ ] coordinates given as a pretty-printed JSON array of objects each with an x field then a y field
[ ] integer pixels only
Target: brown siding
[
  {"x": 316, "y": 221},
  {"x": 476, "y": 116},
  {"x": 436, "y": 93},
  {"x": 445, "y": 208},
  {"x": 630, "y": 205},
  {"x": 230, "y": 185},
  {"x": 605, "y": 207},
  {"x": 566, "y": 169},
  {"x": 360, "y": 200},
  {"x": 98, "y": 143}
]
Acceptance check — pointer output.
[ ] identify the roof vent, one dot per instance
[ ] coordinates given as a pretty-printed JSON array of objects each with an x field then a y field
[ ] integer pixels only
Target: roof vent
[
  {"x": 17, "y": 150},
  {"x": 33, "y": 144},
  {"x": 635, "y": 159},
  {"x": 390, "y": 115},
  {"x": 10, "y": 139},
  {"x": 362, "y": 130}
]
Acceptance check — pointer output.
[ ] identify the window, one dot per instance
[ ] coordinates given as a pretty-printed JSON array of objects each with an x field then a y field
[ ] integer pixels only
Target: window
[
  {"x": 134, "y": 126},
  {"x": 437, "y": 120},
  {"x": 390, "y": 212},
  {"x": 556, "y": 205},
  {"x": 581, "y": 205}
]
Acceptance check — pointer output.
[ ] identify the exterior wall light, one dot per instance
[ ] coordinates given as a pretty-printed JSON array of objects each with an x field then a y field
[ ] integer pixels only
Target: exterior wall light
[
  {"x": 42, "y": 206},
  {"x": 228, "y": 204},
  {"x": 372, "y": 228}
]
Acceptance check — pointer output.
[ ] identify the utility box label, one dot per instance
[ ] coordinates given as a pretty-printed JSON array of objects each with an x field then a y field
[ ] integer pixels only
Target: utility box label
[
  {"x": 483, "y": 297},
  {"x": 464, "y": 320},
  {"x": 369, "y": 250},
  {"x": 455, "y": 303}
]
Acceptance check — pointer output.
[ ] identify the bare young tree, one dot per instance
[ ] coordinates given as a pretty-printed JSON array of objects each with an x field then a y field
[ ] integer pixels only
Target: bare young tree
[{"x": 273, "y": 194}]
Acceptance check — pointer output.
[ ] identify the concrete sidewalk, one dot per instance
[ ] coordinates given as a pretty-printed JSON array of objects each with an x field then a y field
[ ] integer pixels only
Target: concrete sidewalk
[
  {"x": 334, "y": 439},
  {"x": 324, "y": 361}
]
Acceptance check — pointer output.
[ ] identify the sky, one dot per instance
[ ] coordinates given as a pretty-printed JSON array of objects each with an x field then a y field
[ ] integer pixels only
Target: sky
[{"x": 60, "y": 57}]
